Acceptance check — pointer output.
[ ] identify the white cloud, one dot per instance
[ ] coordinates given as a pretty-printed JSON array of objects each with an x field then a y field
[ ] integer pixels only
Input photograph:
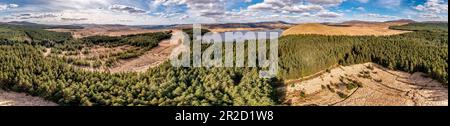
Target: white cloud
[
  {"x": 203, "y": 8},
  {"x": 294, "y": 6},
  {"x": 303, "y": 8},
  {"x": 361, "y": 8},
  {"x": 126, "y": 9},
  {"x": 8, "y": 6},
  {"x": 328, "y": 14},
  {"x": 429, "y": 16},
  {"x": 363, "y": 1},
  {"x": 389, "y": 3},
  {"x": 76, "y": 4},
  {"x": 326, "y": 2},
  {"x": 299, "y": 10},
  {"x": 13, "y": 5},
  {"x": 373, "y": 15},
  {"x": 433, "y": 6}
]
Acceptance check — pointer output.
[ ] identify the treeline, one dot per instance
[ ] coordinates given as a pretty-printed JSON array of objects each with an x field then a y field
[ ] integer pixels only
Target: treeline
[
  {"x": 421, "y": 51},
  {"x": 434, "y": 27},
  {"x": 24, "y": 69},
  {"x": 139, "y": 40},
  {"x": 10, "y": 34}
]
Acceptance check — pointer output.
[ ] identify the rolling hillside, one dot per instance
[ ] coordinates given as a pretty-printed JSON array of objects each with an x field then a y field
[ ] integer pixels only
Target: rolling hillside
[{"x": 351, "y": 29}]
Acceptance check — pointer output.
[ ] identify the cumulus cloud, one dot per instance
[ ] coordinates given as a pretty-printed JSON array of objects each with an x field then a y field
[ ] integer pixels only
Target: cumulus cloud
[
  {"x": 293, "y": 6},
  {"x": 373, "y": 15},
  {"x": 74, "y": 19},
  {"x": 328, "y": 14},
  {"x": 303, "y": 8},
  {"x": 204, "y": 8},
  {"x": 8, "y": 6},
  {"x": 361, "y": 8},
  {"x": 430, "y": 16},
  {"x": 126, "y": 9},
  {"x": 75, "y": 4},
  {"x": 326, "y": 2},
  {"x": 299, "y": 8},
  {"x": 433, "y": 6},
  {"x": 35, "y": 16},
  {"x": 363, "y": 1},
  {"x": 389, "y": 3}
]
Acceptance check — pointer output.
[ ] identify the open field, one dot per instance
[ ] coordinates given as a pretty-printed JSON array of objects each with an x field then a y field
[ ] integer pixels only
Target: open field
[
  {"x": 151, "y": 58},
  {"x": 366, "y": 85},
  {"x": 21, "y": 99},
  {"x": 377, "y": 29},
  {"x": 148, "y": 59},
  {"x": 235, "y": 29},
  {"x": 106, "y": 31}
]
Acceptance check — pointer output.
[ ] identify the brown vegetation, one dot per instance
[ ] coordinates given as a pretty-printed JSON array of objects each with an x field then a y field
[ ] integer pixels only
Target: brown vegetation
[
  {"x": 345, "y": 86},
  {"x": 354, "y": 29},
  {"x": 21, "y": 99},
  {"x": 105, "y": 30}
]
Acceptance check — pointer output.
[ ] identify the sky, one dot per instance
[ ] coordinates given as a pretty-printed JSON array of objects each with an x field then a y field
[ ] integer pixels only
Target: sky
[{"x": 164, "y": 12}]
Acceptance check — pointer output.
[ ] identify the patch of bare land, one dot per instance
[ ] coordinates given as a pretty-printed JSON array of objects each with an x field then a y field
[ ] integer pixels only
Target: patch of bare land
[
  {"x": 21, "y": 99},
  {"x": 47, "y": 52},
  {"x": 98, "y": 58},
  {"x": 236, "y": 29},
  {"x": 98, "y": 52},
  {"x": 350, "y": 29},
  {"x": 106, "y": 30},
  {"x": 366, "y": 85},
  {"x": 151, "y": 58}
]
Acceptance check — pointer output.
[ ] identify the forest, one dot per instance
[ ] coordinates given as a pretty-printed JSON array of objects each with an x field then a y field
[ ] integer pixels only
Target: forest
[
  {"x": 23, "y": 68},
  {"x": 425, "y": 50},
  {"x": 19, "y": 34},
  {"x": 434, "y": 27}
]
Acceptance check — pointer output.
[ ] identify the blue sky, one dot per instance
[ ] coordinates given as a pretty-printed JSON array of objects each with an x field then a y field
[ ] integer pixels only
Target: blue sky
[{"x": 156, "y": 12}]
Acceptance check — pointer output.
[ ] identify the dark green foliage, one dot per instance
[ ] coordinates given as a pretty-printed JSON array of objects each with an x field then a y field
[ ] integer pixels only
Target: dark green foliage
[
  {"x": 146, "y": 40},
  {"x": 24, "y": 69},
  {"x": 190, "y": 32},
  {"x": 341, "y": 95},
  {"x": 422, "y": 51},
  {"x": 19, "y": 34},
  {"x": 436, "y": 27}
]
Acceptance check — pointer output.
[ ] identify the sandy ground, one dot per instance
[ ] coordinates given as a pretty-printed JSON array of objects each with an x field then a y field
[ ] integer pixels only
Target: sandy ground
[
  {"x": 381, "y": 29},
  {"x": 97, "y": 52},
  {"x": 47, "y": 52},
  {"x": 106, "y": 31},
  {"x": 151, "y": 58},
  {"x": 22, "y": 99},
  {"x": 383, "y": 88},
  {"x": 236, "y": 29}
]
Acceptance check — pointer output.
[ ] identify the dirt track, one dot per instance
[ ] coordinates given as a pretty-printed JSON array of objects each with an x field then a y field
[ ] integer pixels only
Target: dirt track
[
  {"x": 105, "y": 31},
  {"x": 354, "y": 30},
  {"x": 21, "y": 99},
  {"x": 383, "y": 88},
  {"x": 150, "y": 59}
]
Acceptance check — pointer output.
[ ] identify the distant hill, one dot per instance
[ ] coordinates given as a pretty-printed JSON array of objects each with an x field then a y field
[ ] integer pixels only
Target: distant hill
[
  {"x": 41, "y": 26},
  {"x": 401, "y": 21},
  {"x": 424, "y": 26},
  {"x": 359, "y": 29},
  {"x": 393, "y": 22},
  {"x": 262, "y": 25},
  {"x": 30, "y": 33}
]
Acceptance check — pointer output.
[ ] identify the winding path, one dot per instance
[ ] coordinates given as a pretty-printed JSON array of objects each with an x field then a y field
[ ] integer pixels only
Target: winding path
[{"x": 151, "y": 58}]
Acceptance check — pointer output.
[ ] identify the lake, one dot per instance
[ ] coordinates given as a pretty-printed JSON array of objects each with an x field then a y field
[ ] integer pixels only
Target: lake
[{"x": 267, "y": 33}]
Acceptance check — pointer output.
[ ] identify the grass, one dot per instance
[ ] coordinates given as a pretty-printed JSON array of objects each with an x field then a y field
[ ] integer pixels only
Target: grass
[{"x": 342, "y": 95}]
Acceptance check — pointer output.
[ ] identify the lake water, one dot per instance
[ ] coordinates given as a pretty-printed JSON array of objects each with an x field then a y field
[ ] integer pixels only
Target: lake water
[{"x": 256, "y": 33}]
